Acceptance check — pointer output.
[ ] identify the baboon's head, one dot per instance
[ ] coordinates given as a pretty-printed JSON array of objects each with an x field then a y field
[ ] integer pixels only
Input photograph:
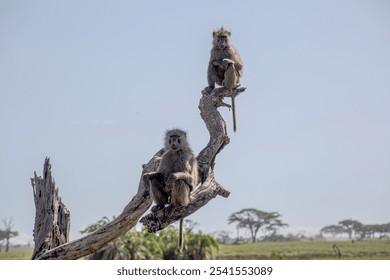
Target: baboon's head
[
  {"x": 221, "y": 38},
  {"x": 175, "y": 140}
]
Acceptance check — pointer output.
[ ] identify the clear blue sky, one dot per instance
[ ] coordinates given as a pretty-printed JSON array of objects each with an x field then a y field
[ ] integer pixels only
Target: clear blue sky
[{"x": 94, "y": 85}]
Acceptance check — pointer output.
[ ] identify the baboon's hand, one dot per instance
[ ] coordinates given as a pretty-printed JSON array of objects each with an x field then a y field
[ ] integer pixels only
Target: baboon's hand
[
  {"x": 171, "y": 179},
  {"x": 208, "y": 89},
  {"x": 170, "y": 183},
  {"x": 150, "y": 175},
  {"x": 218, "y": 63},
  {"x": 225, "y": 64},
  {"x": 222, "y": 64},
  {"x": 229, "y": 61}
]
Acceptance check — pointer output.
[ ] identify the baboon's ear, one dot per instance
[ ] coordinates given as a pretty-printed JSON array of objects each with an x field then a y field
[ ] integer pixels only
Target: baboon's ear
[
  {"x": 228, "y": 33},
  {"x": 214, "y": 33}
]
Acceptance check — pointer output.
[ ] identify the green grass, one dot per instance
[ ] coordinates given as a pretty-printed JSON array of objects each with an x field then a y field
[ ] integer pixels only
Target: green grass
[
  {"x": 307, "y": 250},
  {"x": 296, "y": 250},
  {"x": 16, "y": 254}
]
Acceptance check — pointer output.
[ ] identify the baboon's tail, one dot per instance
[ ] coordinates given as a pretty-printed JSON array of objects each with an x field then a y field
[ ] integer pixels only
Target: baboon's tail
[
  {"x": 181, "y": 236},
  {"x": 234, "y": 114}
]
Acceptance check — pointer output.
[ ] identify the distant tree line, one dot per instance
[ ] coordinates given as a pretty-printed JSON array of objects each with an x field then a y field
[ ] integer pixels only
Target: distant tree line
[
  {"x": 357, "y": 230},
  {"x": 257, "y": 221}
]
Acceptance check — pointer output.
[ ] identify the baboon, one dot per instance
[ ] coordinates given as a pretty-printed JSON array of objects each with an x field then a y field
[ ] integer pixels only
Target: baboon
[
  {"x": 337, "y": 250},
  {"x": 176, "y": 175},
  {"x": 225, "y": 66}
]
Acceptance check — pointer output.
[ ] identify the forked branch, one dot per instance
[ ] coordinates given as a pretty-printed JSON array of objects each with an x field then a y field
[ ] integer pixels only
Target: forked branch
[{"x": 51, "y": 231}]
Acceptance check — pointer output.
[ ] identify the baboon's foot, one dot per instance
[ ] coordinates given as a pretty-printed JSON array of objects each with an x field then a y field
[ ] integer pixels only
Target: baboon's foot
[
  {"x": 207, "y": 89},
  {"x": 157, "y": 208}
]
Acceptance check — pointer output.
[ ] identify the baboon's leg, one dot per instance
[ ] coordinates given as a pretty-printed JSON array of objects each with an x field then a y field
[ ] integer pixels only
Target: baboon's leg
[
  {"x": 180, "y": 194},
  {"x": 160, "y": 197},
  {"x": 213, "y": 77},
  {"x": 231, "y": 77}
]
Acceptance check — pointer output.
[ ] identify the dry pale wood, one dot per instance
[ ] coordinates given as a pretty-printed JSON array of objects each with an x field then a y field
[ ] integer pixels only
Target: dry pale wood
[
  {"x": 119, "y": 226},
  {"x": 56, "y": 246},
  {"x": 215, "y": 125},
  {"x": 52, "y": 220}
]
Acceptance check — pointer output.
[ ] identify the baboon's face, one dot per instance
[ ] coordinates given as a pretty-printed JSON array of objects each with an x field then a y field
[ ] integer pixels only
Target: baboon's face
[
  {"x": 174, "y": 142},
  {"x": 222, "y": 41}
]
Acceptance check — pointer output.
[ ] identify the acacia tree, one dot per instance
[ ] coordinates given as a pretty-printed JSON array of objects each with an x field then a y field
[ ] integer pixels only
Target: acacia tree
[
  {"x": 333, "y": 230},
  {"x": 362, "y": 231},
  {"x": 253, "y": 220},
  {"x": 357, "y": 229},
  {"x": 52, "y": 219},
  {"x": 351, "y": 226},
  {"x": 7, "y": 233}
]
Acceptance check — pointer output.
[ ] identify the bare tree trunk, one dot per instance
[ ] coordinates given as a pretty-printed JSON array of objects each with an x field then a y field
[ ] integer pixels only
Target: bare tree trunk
[
  {"x": 6, "y": 245},
  {"x": 52, "y": 221},
  {"x": 8, "y": 233},
  {"x": 97, "y": 239}
]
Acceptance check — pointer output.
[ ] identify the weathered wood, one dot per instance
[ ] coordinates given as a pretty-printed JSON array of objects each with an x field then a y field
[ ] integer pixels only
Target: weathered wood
[
  {"x": 119, "y": 226},
  {"x": 51, "y": 231},
  {"x": 52, "y": 219},
  {"x": 215, "y": 125}
]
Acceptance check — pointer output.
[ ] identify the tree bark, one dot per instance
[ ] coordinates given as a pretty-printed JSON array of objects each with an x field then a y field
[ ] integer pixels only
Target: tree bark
[
  {"x": 52, "y": 221},
  {"x": 96, "y": 240}
]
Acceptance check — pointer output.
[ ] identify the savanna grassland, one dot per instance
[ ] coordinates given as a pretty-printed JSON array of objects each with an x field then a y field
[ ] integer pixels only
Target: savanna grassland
[
  {"x": 17, "y": 254},
  {"x": 294, "y": 250},
  {"x": 307, "y": 250}
]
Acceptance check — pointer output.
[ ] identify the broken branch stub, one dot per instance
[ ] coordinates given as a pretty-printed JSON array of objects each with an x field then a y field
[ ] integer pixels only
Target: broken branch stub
[
  {"x": 94, "y": 241},
  {"x": 52, "y": 219}
]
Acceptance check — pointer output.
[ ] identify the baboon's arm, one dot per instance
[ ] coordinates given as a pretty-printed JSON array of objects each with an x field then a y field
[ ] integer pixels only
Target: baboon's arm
[
  {"x": 152, "y": 175},
  {"x": 185, "y": 176}
]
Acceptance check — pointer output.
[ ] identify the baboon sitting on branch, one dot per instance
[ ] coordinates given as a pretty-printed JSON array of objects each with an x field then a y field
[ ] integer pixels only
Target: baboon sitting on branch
[
  {"x": 176, "y": 175},
  {"x": 225, "y": 66}
]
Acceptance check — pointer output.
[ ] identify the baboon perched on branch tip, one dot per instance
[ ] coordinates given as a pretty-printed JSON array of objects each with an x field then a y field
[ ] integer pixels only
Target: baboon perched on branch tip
[{"x": 225, "y": 66}]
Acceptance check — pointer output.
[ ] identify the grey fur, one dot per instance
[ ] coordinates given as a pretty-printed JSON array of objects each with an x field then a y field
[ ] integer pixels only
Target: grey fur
[
  {"x": 176, "y": 175},
  {"x": 225, "y": 65}
]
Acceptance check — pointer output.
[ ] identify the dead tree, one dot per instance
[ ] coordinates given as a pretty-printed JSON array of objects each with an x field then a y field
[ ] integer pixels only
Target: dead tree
[{"x": 52, "y": 221}]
